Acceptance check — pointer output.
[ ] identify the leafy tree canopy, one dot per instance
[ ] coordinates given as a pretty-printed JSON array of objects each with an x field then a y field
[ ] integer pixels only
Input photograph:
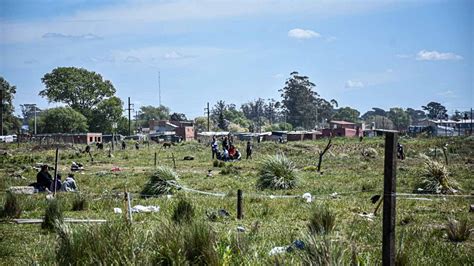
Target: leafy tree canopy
[
  {"x": 178, "y": 117},
  {"x": 106, "y": 113},
  {"x": 346, "y": 114},
  {"x": 61, "y": 120},
  {"x": 10, "y": 123},
  {"x": 435, "y": 110}
]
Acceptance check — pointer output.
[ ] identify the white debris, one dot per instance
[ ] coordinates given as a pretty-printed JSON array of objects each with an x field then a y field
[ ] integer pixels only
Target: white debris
[
  {"x": 141, "y": 208},
  {"x": 240, "y": 229},
  {"x": 117, "y": 210},
  {"x": 277, "y": 250},
  {"x": 369, "y": 216},
  {"x": 307, "y": 196},
  {"x": 335, "y": 195},
  {"x": 169, "y": 196},
  {"x": 22, "y": 190}
]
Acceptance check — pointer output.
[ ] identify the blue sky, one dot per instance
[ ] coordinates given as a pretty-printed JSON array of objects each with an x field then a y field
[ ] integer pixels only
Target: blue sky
[{"x": 362, "y": 53}]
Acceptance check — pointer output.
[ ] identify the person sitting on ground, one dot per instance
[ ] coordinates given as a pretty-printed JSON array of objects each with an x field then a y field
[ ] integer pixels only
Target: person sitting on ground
[
  {"x": 232, "y": 152},
  {"x": 249, "y": 150},
  {"x": 137, "y": 145},
  {"x": 58, "y": 183},
  {"x": 69, "y": 185},
  {"x": 44, "y": 180},
  {"x": 225, "y": 143},
  {"x": 237, "y": 155},
  {"x": 123, "y": 145},
  {"x": 225, "y": 155}
]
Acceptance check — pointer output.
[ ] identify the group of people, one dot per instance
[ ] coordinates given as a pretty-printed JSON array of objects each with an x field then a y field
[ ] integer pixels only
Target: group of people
[
  {"x": 229, "y": 151},
  {"x": 46, "y": 183}
]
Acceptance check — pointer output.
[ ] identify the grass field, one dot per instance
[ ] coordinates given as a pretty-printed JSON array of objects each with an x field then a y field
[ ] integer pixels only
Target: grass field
[{"x": 269, "y": 221}]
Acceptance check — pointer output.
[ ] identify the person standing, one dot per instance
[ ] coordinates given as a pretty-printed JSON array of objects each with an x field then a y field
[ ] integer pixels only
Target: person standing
[
  {"x": 214, "y": 147},
  {"x": 249, "y": 150}
]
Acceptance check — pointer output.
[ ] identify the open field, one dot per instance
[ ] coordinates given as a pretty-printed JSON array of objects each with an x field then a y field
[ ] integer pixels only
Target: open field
[{"x": 268, "y": 221}]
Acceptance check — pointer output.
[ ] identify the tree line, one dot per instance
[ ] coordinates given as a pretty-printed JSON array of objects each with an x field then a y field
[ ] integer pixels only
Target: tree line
[{"x": 90, "y": 104}]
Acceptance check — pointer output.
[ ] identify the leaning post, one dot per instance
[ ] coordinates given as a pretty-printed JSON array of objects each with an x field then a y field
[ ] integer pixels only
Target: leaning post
[{"x": 239, "y": 205}]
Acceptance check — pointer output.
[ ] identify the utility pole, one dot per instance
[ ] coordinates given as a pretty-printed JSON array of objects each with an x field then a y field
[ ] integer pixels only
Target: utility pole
[
  {"x": 208, "y": 118},
  {"x": 129, "y": 116},
  {"x": 1, "y": 112},
  {"x": 34, "y": 108}
]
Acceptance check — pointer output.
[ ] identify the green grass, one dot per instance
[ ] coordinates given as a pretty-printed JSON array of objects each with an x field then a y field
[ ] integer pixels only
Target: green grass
[{"x": 268, "y": 222}]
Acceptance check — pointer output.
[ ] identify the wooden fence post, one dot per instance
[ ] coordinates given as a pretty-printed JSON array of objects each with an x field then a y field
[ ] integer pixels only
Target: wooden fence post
[
  {"x": 174, "y": 161},
  {"x": 55, "y": 171},
  {"x": 155, "y": 159},
  {"x": 239, "y": 205},
  {"x": 389, "y": 199}
]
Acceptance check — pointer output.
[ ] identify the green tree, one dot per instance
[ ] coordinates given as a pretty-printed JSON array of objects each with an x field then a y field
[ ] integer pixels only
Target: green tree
[
  {"x": 79, "y": 88},
  {"x": 380, "y": 122},
  {"x": 399, "y": 117},
  {"x": 178, "y": 117},
  {"x": 9, "y": 122},
  {"x": 218, "y": 113},
  {"x": 415, "y": 115},
  {"x": 300, "y": 101},
  {"x": 106, "y": 113},
  {"x": 149, "y": 112},
  {"x": 346, "y": 114},
  {"x": 61, "y": 120},
  {"x": 435, "y": 110},
  {"x": 374, "y": 112},
  {"x": 200, "y": 124}
]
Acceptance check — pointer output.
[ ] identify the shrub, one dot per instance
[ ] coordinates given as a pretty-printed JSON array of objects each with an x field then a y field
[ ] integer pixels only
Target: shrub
[
  {"x": 229, "y": 169},
  {"x": 79, "y": 204},
  {"x": 277, "y": 172},
  {"x": 370, "y": 153},
  {"x": 323, "y": 251},
  {"x": 436, "y": 177},
  {"x": 53, "y": 215},
  {"x": 11, "y": 208},
  {"x": 163, "y": 181},
  {"x": 221, "y": 164},
  {"x": 183, "y": 212},
  {"x": 322, "y": 220},
  {"x": 458, "y": 231},
  {"x": 215, "y": 163},
  {"x": 310, "y": 168}
]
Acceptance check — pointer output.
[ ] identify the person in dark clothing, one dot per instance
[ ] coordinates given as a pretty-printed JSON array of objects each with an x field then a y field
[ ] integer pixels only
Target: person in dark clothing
[
  {"x": 400, "y": 152},
  {"x": 214, "y": 147},
  {"x": 249, "y": 150},
  {"x": 225, "y": 143},
  {"x": 123, "y": 145},
  {"x": 137, "y": 145},
  {"x": 44, "y": 180}
]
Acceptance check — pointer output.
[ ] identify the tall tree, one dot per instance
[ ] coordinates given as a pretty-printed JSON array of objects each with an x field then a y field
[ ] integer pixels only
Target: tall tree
[
  {"x": 435, "y": 110},
  {"x": 374, "y": 112},
  {"x": 9, "y": 123},
  {"x": 415, "y": 115},
  {"x": 346, "y": 114},
  {"x": 300, "y": 101},
  {"x": 149, "y": 112},
  {"x": 218, "y": 115},
  {"x": 178, "y": 117},
  {"x": 400, "y": 118},
  {"x": 106, "y": 113},
  {"x": 380, "y": 122},
  {"x": 28, "y": 112},
  {"x": 61, "y": 120},
  {"x": 79, "y": 88}
]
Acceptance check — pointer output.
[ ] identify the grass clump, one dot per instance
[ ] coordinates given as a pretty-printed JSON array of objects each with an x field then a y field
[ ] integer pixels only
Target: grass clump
[
  {"x": 436, "y": 178},
  {"x": 310, "y": 168},
  {"x": 183, "y": 212},
  {"x": 322, "y": 220},
  {"x": 458, "y": 231},
  {"x": 79, "y": 204},
  {"x": 277, "y": 172},
  {"x": 163, "y": 181},
  {"x": 229, "y": 170},
  {"x": 11, "y": 208},
  {"x": 322, "y": 251},
  {"x": 53, "y": 215}
]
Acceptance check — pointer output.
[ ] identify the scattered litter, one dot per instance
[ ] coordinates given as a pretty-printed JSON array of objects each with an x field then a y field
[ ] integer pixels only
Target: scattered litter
[
  {"x": 298, "y": 244},
  {"x": 307, "y": 196},
  {"x": 141, "y": 208},
  {"x": 169, "y": 196},
  {"x": 240, "y": 229},
  {"x": 335, "y": 195},
  {"x": 375, "y": 198},
  {"x": 425, "y": 199},
  {"x": 188, "y": 158},
  {"x": 272, "y": 197},
  {"x": 49, "y": 197},
  {"x": 66, "y": 220},
  {"x": 76, "y": 167},
  {"x": 223, "y": 213},
  {"x": 116, "y": 169},
  {"x": 368, "y": 216},
  {"x": 22, "y": 190},
  {"x": 209, "y": 174},
  {"x": 277, "y": 250},
  {"x": 100, "y": 173},
  {"x": 117, "y": 210},
  {"x": 472, "y": 208}
]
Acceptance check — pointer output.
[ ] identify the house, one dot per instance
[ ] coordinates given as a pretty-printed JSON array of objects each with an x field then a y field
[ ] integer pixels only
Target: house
[
  {"x": 343, "y": 129},
  {"x": 74, "y": 138},
  {"x": 183, "y": 129},
  {"x": 303, "y": 135},
  {"x": 442, "y": 127}
]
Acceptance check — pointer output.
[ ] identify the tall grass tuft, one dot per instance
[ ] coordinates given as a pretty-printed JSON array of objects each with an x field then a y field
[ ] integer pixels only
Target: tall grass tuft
[
  {"x": 11, "y": 208},
  {"x": 183, "y": 212},
  {"x": 186, "y": 244},
  {"x": 105, "y": 244},
  {"x": 163, "y": 181},
  {"x": 458, "y": 231},
  {"x": 277, "y": 172},
  {"x": 79, "y": 204},
  {"x": 322, "y": 251},
  {"x": 53, "y": 215},
  {"x": 436, "y": 177},
  {"x": 322, "y": 220}
]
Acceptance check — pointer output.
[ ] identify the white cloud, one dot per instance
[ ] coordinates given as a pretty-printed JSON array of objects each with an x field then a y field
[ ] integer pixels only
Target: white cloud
[
  {"x": 354, "y": 84},
  {"x": 174, "y": 55},
  {"x": 424, "y": 55},
  {"x": 54, "y": 35},
  {"x": 447, "y": 94},
  {"x": 303, "y": 34}
]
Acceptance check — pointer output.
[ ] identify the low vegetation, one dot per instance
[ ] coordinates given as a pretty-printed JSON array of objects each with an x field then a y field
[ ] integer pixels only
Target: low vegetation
[{"x": 277, "y": 172}]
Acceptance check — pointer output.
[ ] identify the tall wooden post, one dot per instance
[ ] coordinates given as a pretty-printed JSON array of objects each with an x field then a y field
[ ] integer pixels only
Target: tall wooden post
[
  {"x": 239, "y": 205},
  {"x": 389, "y": 199},
  {"x": 155, "y": 159},
  {"x": 56, "y": 171}
]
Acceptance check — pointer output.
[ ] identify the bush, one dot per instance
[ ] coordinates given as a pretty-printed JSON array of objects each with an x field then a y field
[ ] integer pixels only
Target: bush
[
  {"x": 163, "y": 181},
  {"x": 323, "y": 251},
  {"x": 229, "y": 170},
  {"x": 436, "y": 177},
  {"x": 105, "y": 244},
  {"x": 322, "y": 220},
  {"x": 458, "y": 231},
  {"x": 215, "y": 163},
  {"x": 53, "y": 215},
  {"x": 183, "y": 212},
  {"x": 11, "y": 208},
  {"x": 277, "y": 172},
  {"x": 79, "y": 204}
]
